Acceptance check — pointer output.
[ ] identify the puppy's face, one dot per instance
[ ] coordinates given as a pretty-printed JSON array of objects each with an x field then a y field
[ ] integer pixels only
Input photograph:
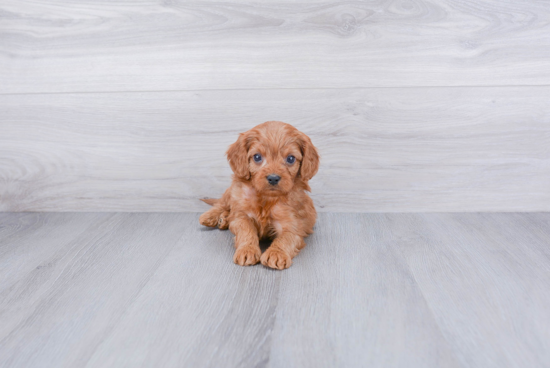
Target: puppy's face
[{"x": 273, "y": 156}]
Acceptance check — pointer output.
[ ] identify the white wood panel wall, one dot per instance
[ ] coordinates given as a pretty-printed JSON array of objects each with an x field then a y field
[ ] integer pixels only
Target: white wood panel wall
[{"x": 415, "y": 105}]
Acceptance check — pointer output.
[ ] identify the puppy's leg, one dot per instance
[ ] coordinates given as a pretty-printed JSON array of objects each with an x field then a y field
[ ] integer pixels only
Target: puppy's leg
[
  {"x": 246, "y": 241},
  {"x": 211, "y": 217},
  {"x": 219, "y": 213},
  {"x": 285, "y": 247}
]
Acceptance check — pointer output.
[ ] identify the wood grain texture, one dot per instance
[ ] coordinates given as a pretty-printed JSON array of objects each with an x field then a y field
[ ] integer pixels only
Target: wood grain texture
[
  {"x": 377, "y": 290},
  {"x": 214, "y": 312},
  {"x": 397, "y": 150},
  {"x": 350, "y": 300},
  {"x": 66, "y": 46},
  {"x": 454, "y": 259},
  {"x": 65, "y": 303}
]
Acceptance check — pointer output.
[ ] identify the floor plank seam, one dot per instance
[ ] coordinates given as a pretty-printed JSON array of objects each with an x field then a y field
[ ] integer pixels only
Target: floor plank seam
[
  {"x": 136, "y": 295},
  {"x": 274, "y": 89},
  {"x": 457, "y": 357}
]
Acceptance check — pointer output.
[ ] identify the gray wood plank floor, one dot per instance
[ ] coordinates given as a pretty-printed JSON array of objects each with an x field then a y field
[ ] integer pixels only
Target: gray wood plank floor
[{"x": 378, "y": 290}]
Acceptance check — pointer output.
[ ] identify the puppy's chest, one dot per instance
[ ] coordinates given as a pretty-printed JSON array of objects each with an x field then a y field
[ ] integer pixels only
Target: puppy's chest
[{"x": 265, "y": 216}]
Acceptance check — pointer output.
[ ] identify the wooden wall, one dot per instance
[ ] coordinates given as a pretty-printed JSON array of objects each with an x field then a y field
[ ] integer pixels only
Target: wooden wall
[{"x": 414, "y": 105}]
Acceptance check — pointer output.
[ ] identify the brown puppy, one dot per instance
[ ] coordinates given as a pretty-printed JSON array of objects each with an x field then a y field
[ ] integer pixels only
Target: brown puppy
[{"x": 273, "y": 163}]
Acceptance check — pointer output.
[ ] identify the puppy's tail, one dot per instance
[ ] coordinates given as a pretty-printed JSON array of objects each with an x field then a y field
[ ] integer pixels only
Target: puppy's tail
[{"x": 210, "y": 201}]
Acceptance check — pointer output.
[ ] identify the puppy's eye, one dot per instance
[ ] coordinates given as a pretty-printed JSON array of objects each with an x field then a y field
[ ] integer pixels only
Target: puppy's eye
[
  {"x": 290, "y": 159},
  {"x": 258, "y": 157}
]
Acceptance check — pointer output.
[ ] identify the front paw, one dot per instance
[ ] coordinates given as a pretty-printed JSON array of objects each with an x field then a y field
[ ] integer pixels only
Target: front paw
[
  {"x": 247, "y": 256},
  {"x": 276, "y": 258}
]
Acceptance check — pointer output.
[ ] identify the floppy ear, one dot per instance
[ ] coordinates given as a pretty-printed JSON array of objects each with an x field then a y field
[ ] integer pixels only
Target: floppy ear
[
  {"x": 237, "y": 155},
  {"x": 310, "y": 158}
]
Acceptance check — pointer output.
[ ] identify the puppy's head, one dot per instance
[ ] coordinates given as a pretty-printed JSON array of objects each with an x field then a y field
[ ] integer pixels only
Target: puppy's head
[{"x": 273, "y": 156}]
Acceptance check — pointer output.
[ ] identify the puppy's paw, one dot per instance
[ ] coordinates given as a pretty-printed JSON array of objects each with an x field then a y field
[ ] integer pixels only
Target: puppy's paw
[
  {"x": 247, "y": 256},
  {"x": 209, "y": 219},
  {"x": 223, "y": 222},
  {"x": 276, "y": 258}
]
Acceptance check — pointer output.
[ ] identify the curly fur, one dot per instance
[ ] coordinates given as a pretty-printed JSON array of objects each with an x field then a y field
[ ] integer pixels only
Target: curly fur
[{"x": 252, "y": 208}]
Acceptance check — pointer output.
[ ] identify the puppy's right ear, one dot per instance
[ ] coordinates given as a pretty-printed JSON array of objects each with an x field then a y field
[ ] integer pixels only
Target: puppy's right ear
[{"x": 237, "y": 155}]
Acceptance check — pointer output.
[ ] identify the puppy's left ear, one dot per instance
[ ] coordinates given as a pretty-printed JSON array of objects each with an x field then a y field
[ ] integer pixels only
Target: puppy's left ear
[{"x": 310, "y": 158}]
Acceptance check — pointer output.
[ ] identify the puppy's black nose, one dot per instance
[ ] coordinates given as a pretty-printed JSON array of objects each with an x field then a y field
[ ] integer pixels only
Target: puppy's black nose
[{"x": 273, "y": 179}]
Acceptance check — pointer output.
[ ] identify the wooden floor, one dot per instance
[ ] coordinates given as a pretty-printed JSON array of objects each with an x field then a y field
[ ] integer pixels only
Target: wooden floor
[{"x": 369, "y": 290}]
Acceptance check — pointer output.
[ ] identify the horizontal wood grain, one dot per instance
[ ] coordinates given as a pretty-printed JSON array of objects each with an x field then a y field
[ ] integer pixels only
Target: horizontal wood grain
[
  {"x": 368, "y": 290},
  {"x": 66, "y": 46},
  {"x": 421, "y": 149}
]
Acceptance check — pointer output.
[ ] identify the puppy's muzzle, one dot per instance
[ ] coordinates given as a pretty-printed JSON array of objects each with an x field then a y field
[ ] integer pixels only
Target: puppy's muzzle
[{"x": 273, "y": 179}]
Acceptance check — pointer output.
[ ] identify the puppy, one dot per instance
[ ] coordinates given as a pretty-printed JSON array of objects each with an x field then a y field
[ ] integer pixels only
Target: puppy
[{"x": 272, "y": 163}]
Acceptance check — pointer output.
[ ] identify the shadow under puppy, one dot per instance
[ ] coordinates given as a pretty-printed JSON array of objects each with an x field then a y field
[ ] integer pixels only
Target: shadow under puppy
[{"x": 273, "y": 163}]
